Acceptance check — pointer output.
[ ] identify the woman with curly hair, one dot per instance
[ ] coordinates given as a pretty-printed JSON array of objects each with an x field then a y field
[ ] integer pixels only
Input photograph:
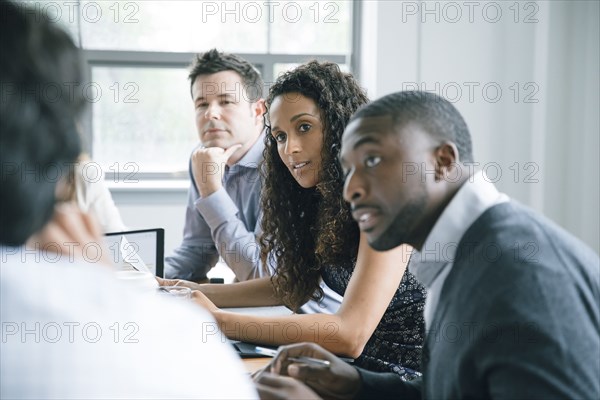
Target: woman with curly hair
[{"x": 309, "y": 234}]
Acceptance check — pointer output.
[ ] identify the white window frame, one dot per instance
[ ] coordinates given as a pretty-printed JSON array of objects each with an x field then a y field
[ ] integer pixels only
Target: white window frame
[{"x": 148, "y": 59}]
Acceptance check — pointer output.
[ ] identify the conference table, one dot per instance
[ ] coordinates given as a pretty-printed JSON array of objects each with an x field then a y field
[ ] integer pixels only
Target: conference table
[{"x": 254, "y": 364}]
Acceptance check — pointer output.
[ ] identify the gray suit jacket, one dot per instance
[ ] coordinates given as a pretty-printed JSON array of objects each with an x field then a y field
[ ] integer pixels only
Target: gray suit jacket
[{"x": 518, "y": 317}]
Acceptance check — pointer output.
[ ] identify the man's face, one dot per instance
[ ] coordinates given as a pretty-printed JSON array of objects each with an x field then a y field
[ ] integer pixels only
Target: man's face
[
  {"x": 388, "y": 177},
  {"x": 224, "y": 114}
]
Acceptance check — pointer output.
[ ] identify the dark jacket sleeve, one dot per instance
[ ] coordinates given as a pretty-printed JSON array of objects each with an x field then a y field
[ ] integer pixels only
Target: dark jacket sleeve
[{"x": 380, "y": 385}]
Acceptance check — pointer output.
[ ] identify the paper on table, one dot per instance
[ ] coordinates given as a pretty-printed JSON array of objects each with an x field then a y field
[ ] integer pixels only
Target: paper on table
[{"x": 131, "y": 257}]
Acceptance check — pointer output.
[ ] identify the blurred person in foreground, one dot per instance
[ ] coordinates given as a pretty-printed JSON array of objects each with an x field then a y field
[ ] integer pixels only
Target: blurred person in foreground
[
  {"x": 512, "y": 308},
  {"x": 69, "y": 329}
]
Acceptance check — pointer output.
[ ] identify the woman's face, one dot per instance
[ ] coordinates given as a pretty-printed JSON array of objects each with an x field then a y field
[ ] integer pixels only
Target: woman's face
[{"x": 296, "y": 127}]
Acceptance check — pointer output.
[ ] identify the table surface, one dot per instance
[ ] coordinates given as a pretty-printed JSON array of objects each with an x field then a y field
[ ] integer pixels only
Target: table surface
[{"x": 254, "y": 364}]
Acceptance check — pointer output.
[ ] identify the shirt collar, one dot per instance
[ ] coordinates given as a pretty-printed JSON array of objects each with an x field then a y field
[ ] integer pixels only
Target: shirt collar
[
  {"x": 469, "y": 203},
  {"x": 254, "y": 156}
]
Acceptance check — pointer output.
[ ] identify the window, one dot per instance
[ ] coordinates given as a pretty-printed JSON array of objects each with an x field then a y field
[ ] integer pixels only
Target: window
[
  {"x": 145, "y": 119},
  {"x": 141, "y": 119}
]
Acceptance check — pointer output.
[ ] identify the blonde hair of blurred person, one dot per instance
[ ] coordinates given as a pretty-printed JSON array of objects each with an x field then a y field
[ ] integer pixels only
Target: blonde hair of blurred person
[{"x": 84, "y": 186}]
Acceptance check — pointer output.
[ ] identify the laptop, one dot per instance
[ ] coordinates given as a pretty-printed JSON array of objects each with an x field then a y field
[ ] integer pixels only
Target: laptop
[{"x": 131, "y": 250}]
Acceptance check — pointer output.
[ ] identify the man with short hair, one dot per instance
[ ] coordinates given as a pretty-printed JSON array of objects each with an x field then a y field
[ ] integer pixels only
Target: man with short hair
[
  {"x": 70, "y": 330},
  {"x": 512, "y": 308},
  {"x": 223, "y": 211}
]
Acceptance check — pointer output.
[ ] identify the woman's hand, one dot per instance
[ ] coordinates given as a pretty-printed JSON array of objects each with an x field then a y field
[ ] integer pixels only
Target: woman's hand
[
  {"x": 199, "y": 298},
  {"x": 177, "y": 282}
]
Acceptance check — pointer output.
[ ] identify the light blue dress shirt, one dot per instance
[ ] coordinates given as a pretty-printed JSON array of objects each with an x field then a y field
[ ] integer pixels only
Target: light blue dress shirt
[{"x": 226, "y": 223}]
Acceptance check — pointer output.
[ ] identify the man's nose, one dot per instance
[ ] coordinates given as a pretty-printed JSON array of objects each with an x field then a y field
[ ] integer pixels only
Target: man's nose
[
  {"x": 213, "y": 111},
  {"x": 355, "y": 187}
]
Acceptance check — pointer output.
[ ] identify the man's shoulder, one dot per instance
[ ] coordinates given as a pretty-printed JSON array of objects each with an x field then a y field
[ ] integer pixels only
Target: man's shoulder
[
  {"x": 509, "y": 243},
  {"x": 511, "y": 224},
  {"x": 27, "y": 274},
  {"x": 100, "y": 326}
]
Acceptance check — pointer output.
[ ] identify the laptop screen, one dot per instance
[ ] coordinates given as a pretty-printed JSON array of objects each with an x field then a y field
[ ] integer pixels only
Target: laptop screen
[{"x": 128, "y": 249}]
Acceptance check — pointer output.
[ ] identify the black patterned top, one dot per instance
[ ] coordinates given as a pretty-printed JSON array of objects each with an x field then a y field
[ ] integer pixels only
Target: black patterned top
[{"x": 396, "y": 344}]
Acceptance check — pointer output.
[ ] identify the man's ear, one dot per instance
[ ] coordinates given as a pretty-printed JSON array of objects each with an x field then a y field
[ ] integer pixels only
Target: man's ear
[
  {"x": 446, "y": 158},
  {"x": 259, "y": 109}
]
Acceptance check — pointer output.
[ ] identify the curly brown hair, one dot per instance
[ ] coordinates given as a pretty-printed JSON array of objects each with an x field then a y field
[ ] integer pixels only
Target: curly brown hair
[{"x": 305, "y": 230}]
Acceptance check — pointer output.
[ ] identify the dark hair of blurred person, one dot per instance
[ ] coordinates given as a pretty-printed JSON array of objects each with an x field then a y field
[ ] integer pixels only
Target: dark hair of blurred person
[{"x": 39, "y": 64}]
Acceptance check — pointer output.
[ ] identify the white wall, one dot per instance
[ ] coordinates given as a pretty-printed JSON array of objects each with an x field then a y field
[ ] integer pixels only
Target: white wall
[
  {"x": 555, "y": 139},
  {"x": 441, "y": 47}
]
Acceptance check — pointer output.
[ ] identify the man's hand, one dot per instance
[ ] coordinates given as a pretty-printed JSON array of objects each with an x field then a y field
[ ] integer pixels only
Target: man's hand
[
  {"x": 208, "y": 167},
  {"x": 272, "y": 386},
  {"x": 338, "y": 380},
  {"x": 73, "y": 234}
]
